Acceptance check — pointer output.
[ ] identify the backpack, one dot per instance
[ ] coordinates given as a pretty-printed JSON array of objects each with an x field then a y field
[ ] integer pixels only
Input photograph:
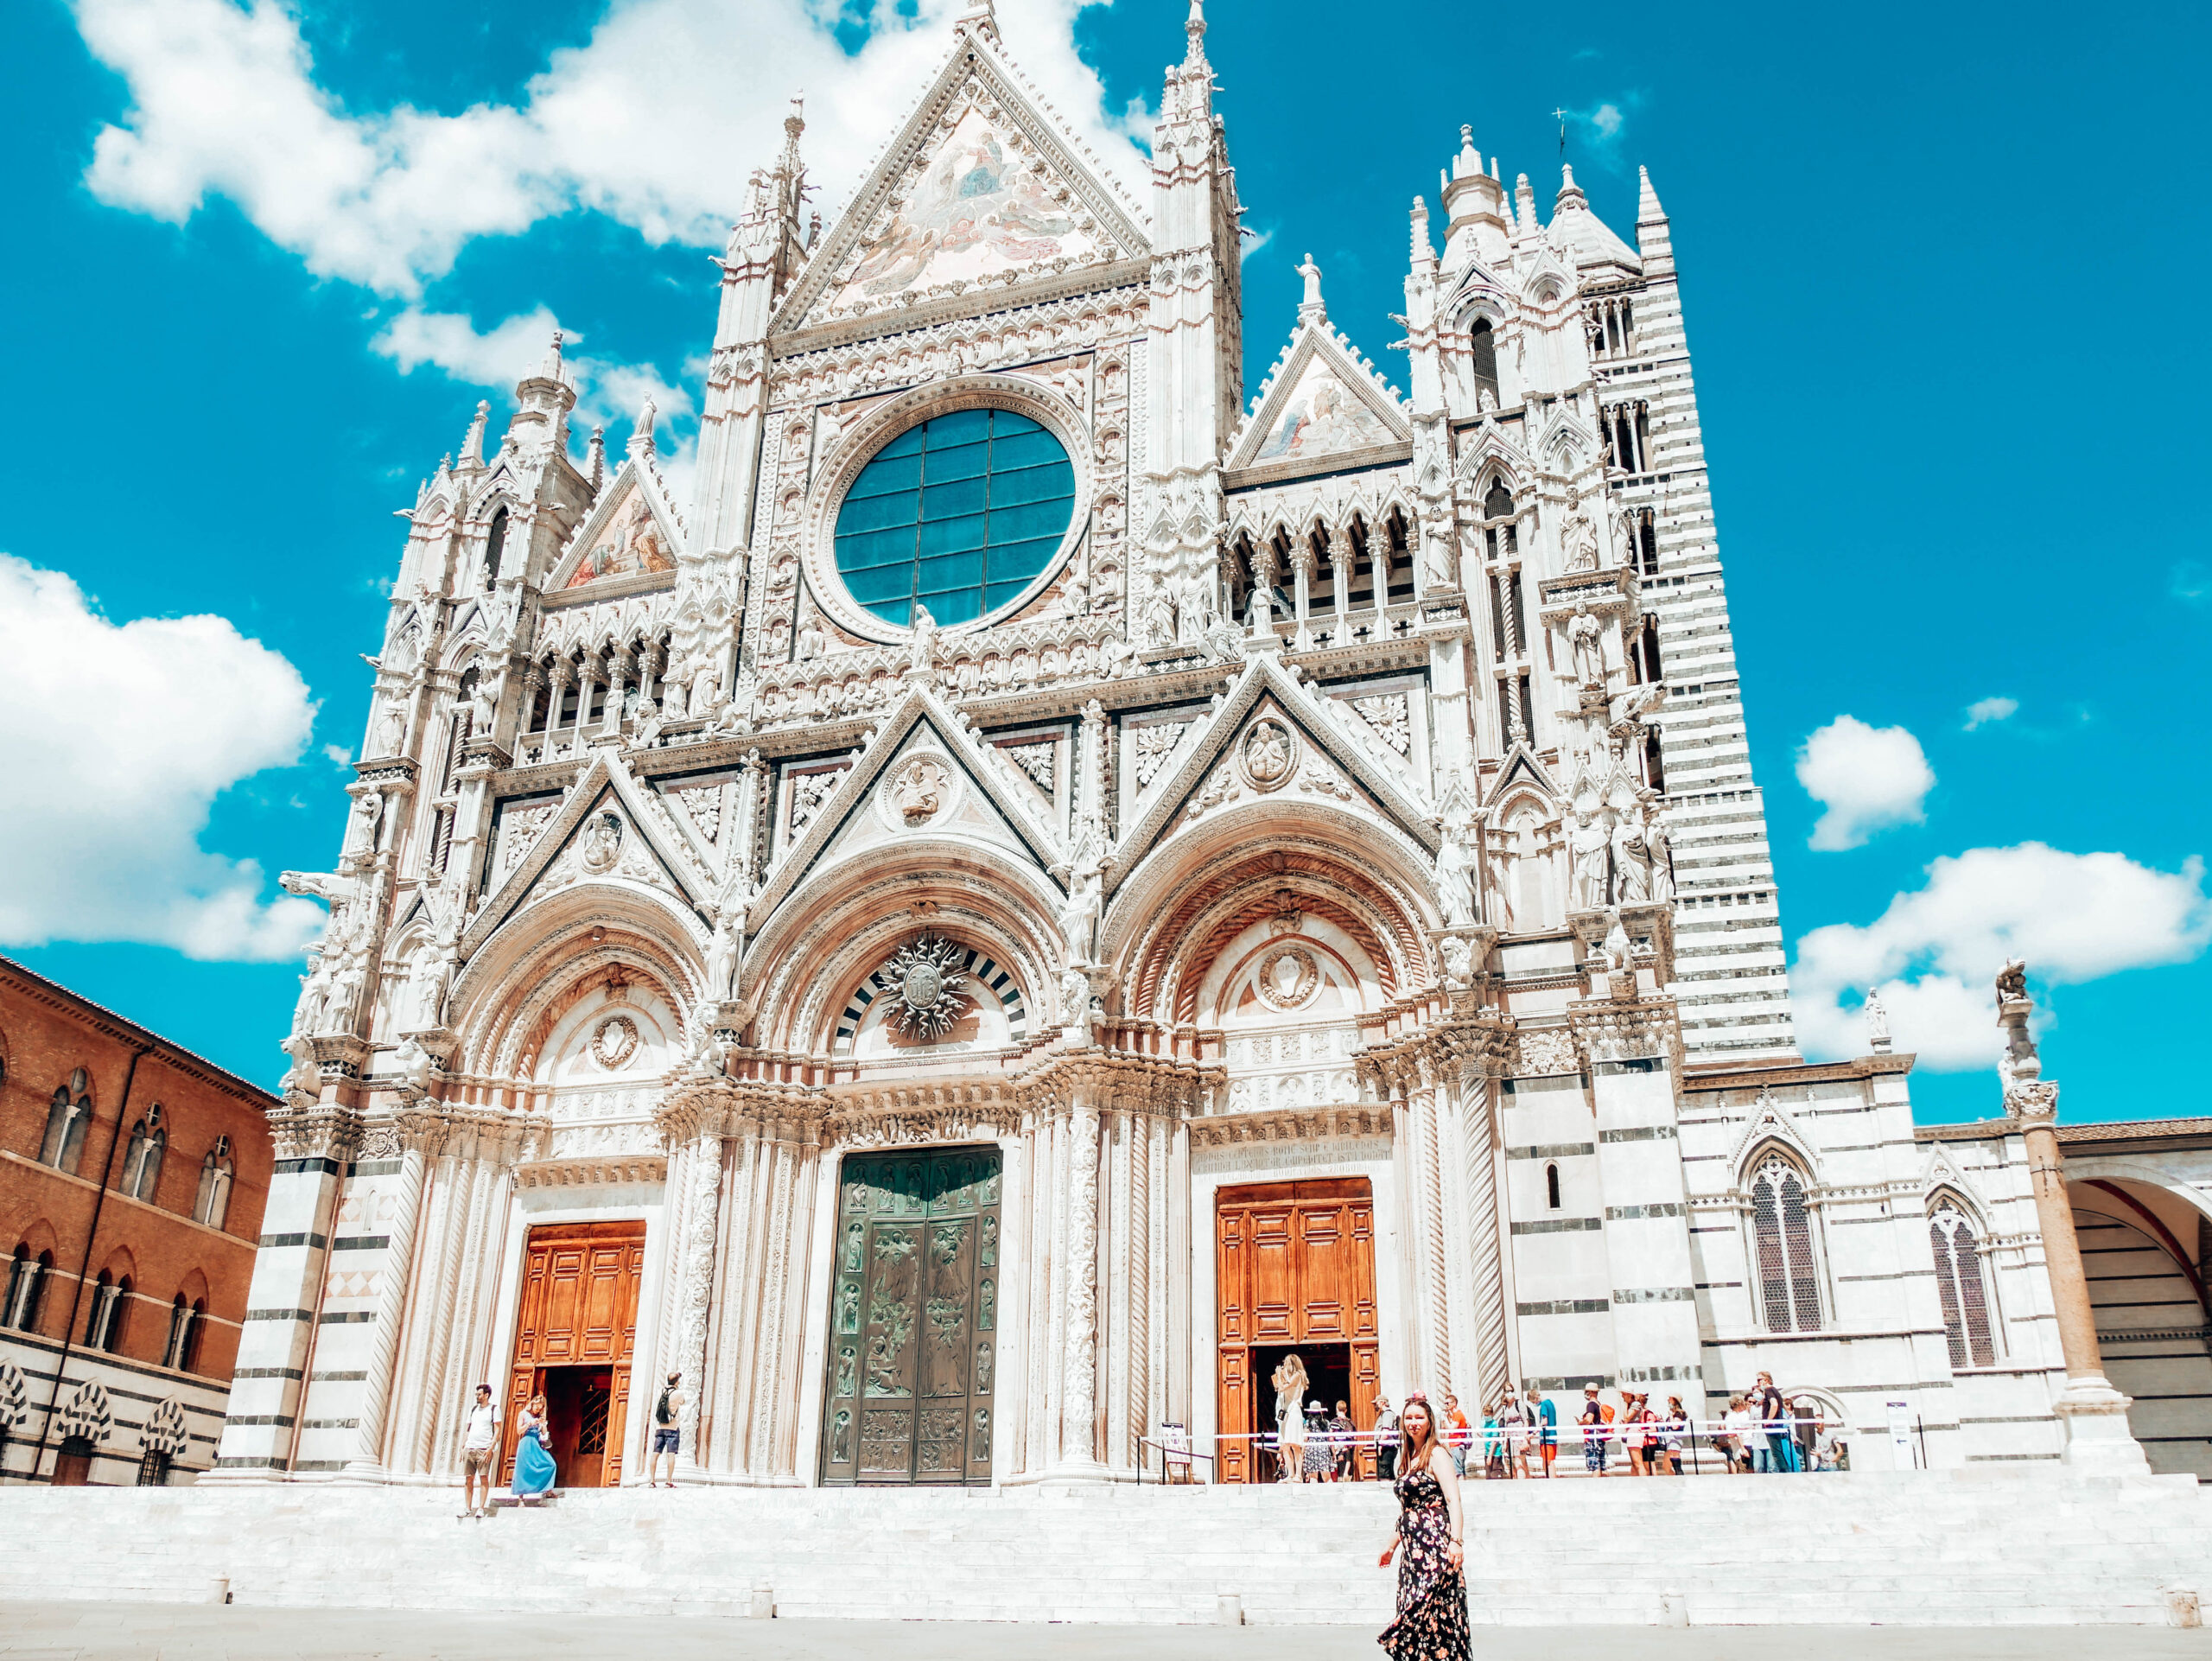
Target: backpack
[{"x": 660, "y": 1408}]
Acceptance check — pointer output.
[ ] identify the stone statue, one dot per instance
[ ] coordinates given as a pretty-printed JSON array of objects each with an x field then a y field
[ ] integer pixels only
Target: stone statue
[
  {"x": 484, "y": 703},
  {"x": 392, "y": 732},
  {"x": 1578, "y": 540},
  {"x": 1086, "y": 900},
  {"x": 1590, "y": 849},
  {"x": 1586, "y": 635},
  {"x": 922, "y": 651},
  {"x": 2013, "y": 980},
  {"x": 1075, "y": 1001},
  {"x": 704, "y": 685},
  {"x": 1455, "y": 877},
  {"x": 432, "y": 977},
  {"x": 1878, "y": 1021},
  {"x": 721, "y": 956},
  {"x": 361, "y": 824},
  {"x": 417, "y": 1067},
  {"x": 1631, "y": 862},
  {"x": 1658, "y": 848},
  {"x": 1436, "y": 547},
  {"x": 314, "y": 993}
]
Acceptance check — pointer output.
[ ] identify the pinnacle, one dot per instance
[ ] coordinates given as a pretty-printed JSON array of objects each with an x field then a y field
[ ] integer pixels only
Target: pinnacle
[{"x": 1647, "y": 200}]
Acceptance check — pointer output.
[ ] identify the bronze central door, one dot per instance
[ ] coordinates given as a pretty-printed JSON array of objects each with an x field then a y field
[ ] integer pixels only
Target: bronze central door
[{"x": 913, "y": 1320}]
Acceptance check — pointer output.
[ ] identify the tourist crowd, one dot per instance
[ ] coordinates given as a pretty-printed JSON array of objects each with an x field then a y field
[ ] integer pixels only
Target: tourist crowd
[{"x": 1762, "y": 1432}]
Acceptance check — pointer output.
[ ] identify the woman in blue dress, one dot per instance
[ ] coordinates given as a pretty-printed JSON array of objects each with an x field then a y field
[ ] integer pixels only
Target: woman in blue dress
[{"x": 534, "y": 1468}]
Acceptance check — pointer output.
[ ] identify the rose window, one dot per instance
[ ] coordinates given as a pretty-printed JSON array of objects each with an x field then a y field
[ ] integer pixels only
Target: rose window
[{"x": 959, "y": 515}]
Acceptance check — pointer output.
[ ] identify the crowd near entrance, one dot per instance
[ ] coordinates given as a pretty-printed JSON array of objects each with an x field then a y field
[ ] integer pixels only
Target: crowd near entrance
[
  {"x": 1295, "y": 1272},
  {"x": 913, "y": 1320},
  {"x": 575, "y": 1335}
]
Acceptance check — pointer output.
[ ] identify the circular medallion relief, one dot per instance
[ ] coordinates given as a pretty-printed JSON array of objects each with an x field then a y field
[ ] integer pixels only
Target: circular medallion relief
[
  {"x": 1287, "y": 977},
  {"x": 601, "y": 844},
  {"x": 615, "y": 1043},
  {"x": 919, "y": 790},
  {"x": 1267, "y": 755}
]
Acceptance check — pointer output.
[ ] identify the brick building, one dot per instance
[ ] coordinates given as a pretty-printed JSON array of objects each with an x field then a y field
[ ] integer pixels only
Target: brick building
[{"x": 133, "y": 1176}]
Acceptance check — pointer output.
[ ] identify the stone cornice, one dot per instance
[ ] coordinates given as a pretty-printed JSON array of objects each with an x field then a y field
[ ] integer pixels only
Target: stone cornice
[{"x": 1292, "y": 1124}]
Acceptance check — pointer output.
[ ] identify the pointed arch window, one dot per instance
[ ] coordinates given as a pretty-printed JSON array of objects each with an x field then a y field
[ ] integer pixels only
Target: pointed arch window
[
  {"x": 26, "y": 1288},
  {"x": 1483, "y": 342},
  {"x": 104, "y": 1325},
  {"x": 1782, "y": 1260},
  {"x": 182, "y": 1346},
  {"x": 494, "y": 544},
  {"x": 212, "y": 1202},
  {"x": 1962, "y": 1287},
  {"x": 66, "y": 1119},
  {"x": 141, "y": 1160}
]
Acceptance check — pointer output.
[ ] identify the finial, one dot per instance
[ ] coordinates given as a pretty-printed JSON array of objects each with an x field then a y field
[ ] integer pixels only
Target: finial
[
  {"x": 981, "y": 17},
  {"x": 1194, "y": 29},
  {"x": 1568, "y": 190},
  {"x": 1469, "y": 162},
  {"x": 1647, "y": 210},
  {"x": 551, "y": 368},
  {"x": 1424, "y": 251},
  {"x": 471, "y": 447},
  {"x": 597, "y": 457},
  {"x": 1310, "y": 309}
]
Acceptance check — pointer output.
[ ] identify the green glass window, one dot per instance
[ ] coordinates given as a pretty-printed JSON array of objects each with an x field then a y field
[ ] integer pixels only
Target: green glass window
[{"x": 960, "y": 513}]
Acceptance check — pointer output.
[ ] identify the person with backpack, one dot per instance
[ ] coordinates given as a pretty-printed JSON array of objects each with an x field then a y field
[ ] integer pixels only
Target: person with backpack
[{"x": 668, "y": 1416}]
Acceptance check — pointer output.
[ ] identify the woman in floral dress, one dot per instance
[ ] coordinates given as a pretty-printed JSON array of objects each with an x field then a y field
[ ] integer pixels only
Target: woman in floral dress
[{"x": 1432, "y": 1623}]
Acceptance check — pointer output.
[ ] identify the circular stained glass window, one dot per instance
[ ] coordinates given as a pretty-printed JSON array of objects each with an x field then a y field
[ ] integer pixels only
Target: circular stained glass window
[{"x": 958, "y": 514}]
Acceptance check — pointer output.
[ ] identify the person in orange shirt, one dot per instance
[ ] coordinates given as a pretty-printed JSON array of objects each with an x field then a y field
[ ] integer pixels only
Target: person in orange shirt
[{"x": 1459, "y": 1436}]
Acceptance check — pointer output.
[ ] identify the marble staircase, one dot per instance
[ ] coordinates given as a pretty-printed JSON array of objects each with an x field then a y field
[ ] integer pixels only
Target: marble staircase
[{"x": 1973, "y": 1547}]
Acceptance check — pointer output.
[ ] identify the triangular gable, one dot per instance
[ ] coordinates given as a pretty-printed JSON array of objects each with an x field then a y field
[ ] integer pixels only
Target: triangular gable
[
  {"x": 604, "y": 780},
  {"x": 1568, "y": 444},
  {"x": 1264, "y": 679},
  {"x": 828, "y": 834},
  {"x": 1320, "y": 401},
  {"x": 1521, "y": 768},
  {"x": 630, "y": 531},
  {"x": 978, "y": 184},
  {"x": 1488, "y": 445}
]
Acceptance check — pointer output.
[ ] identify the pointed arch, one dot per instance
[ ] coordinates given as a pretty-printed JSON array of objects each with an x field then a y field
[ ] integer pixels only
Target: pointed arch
[
  {"x": 1783, "y": 1245},
  {"x": 1964, "y": 1285}
]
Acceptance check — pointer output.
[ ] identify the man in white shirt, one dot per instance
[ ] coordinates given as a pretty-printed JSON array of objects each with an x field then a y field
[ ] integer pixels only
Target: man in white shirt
[{"x": 480, "y": 1449}]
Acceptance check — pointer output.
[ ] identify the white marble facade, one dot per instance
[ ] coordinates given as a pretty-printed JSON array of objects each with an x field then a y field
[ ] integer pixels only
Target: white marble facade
[{"x": 1358, "y": 789}]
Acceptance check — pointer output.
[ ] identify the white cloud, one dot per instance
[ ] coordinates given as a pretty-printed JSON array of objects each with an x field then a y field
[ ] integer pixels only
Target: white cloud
[
  {"x": 656, "y": 122},
  {"x": 1867, "y": 778},
  {"x": 1935, "y": 952},
  {"x": 1607, "y": 119},
  {"x": 449, "y": 342},
  {"x": 115, "y": 739},
  {"x": 1984, "y": 711}
]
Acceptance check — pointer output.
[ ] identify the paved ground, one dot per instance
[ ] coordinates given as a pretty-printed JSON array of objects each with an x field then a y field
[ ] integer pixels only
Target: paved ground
[{"x": 79, "y": 1632}]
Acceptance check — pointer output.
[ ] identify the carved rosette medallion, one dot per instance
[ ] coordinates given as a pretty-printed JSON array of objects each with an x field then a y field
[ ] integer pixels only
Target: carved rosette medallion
[
  {"x": 1267, "y": 755},
  {"x": 1288, "y": 978},
  {"x": 918, "y": 793}
]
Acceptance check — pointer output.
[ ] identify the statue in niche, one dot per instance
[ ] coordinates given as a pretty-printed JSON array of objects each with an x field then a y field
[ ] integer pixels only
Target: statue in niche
[
  {"x": 601, "y": 844},
  {"x": 1632, "y": 861},
  {"x": 721, "y": 956},
  {"x": 841, "y": 1438},
  {"x": 1455, "y": 877},
  {"x": 392, "y": 732},
  {"x": 1578, "y": 540},
  {"x": 855, "y": 1235},
  {"x": 1659, "y": 853},
  {"x": 922, "y": 651},
  {"x": 361, "y": 823},
  {"x": 1589, "y": 850},
  {"x": 1086, "y": 900},
  {"x": 314, "y": 993},
  {"x": 1586, "y": 636},
  {"x": 847, "y": 1370}
]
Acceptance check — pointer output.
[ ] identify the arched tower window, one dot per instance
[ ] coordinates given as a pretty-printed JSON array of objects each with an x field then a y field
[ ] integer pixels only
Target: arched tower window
[
  {"x": 65, "y": 1122},
  {"x": 1484, "y": 344},
  {"x": 1781, "y": 1249},
  {"x": 212, "y": 1202},
  {"x": 1962, "y": 1287},
  {"x": 142, "y": 1161},
  {"x": 1551, "y": 1186},
  {"x": 494, "y": 544}
]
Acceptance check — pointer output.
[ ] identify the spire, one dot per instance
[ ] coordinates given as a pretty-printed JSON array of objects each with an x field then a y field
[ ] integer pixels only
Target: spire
[
  {"x": 1194, "y": 27},
  {"x": 597, "y": 458},
  {"x": 1469, "y": 160},
  {"x": 471, "y": 447},
  {"x": 1569, "y": 192},
  {"x": 1310, "y": 310},
  {"x": 551, "y": 369},
  {"x": 1424, "y": 251},
  {"x": 641, "y": 436},
  {"x": 1525, "y": 197},
  {"x": 1655, "y": 240}
]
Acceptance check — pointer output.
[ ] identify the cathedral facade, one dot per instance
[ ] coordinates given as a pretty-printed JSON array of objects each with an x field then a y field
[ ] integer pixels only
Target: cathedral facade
[{"x": 1050, "y": 885}]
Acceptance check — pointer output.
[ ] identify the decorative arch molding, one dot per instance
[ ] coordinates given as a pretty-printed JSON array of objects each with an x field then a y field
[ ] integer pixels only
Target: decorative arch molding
[
  {"x": 502, "y": 996},
  {"x": 836, "y": 928},
  {"x": 2113, "y": 1201},
  {"x": 15, "y": 1398},
  {"x": 87, "y": 1413},
  {"x": 1772, "y": 1126},
  {"x": 885, "y": 421},
  {"x": 164, "y": 1430},
  {"x": 2080, "y": 1169},
  {"x": 120, "y": 1263},
  {"x": 192, "y": 1287},
  {"x": 1181, "y": 906}
]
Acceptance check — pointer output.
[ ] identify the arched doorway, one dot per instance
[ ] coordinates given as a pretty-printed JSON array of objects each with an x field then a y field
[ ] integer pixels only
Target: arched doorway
[{"x": 908, "y": 1393}]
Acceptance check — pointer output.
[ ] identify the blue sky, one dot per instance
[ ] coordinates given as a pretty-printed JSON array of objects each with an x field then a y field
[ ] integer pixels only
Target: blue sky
[{"x": 1943, "y": 275}]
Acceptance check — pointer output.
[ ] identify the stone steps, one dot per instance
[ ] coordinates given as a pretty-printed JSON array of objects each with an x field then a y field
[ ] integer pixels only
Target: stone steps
[{"x": 1944, "y": 1548}]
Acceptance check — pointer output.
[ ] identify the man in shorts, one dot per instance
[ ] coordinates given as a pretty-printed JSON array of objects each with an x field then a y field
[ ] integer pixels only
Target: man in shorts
[
  {"x": 479, "y": 1451},
  {"x": 1545, "y": 1415},
  {"x": 668, "y": 1420}
]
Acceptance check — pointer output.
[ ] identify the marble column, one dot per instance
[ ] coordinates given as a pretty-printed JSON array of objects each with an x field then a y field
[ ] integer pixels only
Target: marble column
[
  {"x": 1485, "y": 1273},
  {"x": 1078, "y": 1460},
  {"x": 367, "y": 1463},
  {"x": 695, "y": 1269}
]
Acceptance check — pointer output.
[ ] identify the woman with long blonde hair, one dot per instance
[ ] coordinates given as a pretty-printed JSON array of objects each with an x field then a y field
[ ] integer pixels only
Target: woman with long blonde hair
[
  {"x": 1432, "y": 1623},
  {"x": 534, "y": 1469}
]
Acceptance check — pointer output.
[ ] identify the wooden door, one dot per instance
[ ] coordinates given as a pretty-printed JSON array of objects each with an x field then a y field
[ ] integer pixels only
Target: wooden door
[
  {"x": 579, "y": 1317},
  {"x": 913, "y": 1320},
  {"x": 1293, "y": 1264}
]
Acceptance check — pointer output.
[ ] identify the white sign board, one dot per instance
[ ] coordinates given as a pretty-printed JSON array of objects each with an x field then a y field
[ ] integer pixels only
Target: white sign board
[{"x": 1903, "y": 1447}]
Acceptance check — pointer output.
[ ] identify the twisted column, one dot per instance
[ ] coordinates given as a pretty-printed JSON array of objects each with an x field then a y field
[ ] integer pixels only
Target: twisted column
[
  {"x": 695, "y": 1271},
  {"x": 1486, "y": 1291},
  {"x": 1079, "y": 1364}
]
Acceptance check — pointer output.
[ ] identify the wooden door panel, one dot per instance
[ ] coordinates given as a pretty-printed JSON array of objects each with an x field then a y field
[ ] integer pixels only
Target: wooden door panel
[
  {"x": 1294, "y": 1263},
  {"x": 578, "y": 1306}
]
